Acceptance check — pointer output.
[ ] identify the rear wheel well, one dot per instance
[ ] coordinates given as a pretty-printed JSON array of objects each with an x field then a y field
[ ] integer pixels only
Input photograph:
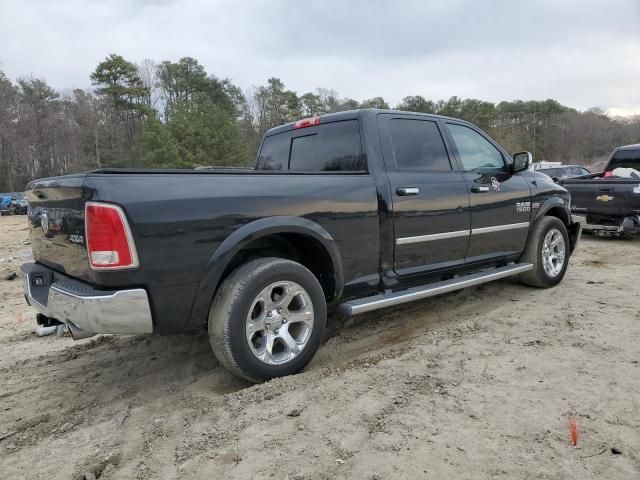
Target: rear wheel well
[{"x": 299, "y": 248}]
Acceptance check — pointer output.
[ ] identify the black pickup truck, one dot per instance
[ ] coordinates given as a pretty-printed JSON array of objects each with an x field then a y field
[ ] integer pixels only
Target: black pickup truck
[
  {"x": 352, "y": 211},
  {"x": 609, "y": 201}
]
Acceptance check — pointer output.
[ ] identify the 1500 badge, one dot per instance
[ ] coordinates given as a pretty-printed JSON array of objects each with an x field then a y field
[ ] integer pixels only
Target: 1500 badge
[{"x": 523, "y": 207}]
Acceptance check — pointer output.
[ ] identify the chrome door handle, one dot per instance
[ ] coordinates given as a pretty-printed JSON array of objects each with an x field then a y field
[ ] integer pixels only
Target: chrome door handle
[
  {"x": 477, "y": 189},
  {"x": 406, "y": 191}
]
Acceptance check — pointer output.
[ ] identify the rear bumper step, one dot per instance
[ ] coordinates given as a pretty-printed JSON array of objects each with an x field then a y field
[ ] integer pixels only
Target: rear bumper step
[{"x": 375, "y": 302}]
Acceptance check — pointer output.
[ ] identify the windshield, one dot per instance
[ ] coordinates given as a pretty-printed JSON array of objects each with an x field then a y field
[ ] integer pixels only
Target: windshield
[{"x": 625, "y": 159}]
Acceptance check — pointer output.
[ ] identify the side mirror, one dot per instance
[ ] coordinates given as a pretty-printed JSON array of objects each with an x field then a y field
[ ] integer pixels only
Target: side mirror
[{"x": 521, "y": 162}]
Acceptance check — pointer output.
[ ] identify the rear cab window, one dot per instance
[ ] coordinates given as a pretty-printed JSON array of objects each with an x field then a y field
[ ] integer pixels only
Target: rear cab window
[
  {"x": 274, "y": 154},
  {"x": 328, "y": 147},
  {"x": 625, "y": 158}
]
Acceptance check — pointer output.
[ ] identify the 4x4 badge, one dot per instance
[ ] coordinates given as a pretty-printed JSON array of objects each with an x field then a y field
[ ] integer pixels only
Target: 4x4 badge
[{"x": 495, "y": 184}]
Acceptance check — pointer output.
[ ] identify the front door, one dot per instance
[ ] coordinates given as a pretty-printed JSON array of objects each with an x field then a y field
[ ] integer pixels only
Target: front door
[
  {"x": 500, "y": 201},
  {"x": 430, "y": 198}
]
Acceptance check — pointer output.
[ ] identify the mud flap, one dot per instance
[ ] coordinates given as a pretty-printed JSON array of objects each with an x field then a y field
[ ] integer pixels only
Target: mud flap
[{"x": 574, "y": 230}]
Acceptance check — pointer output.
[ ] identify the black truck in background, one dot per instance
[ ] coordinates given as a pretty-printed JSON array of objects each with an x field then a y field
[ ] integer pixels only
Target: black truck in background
[
  {"x": 352, "y": 211},
  {"x": 609, "y": 201}
]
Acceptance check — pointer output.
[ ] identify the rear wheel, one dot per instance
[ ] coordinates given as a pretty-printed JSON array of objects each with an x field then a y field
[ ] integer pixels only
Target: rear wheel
[{"x": 267, "y": 319}]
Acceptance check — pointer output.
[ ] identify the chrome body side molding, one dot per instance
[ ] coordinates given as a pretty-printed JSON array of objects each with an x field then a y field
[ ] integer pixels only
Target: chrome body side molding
[
  {"x": 435, "y": 236},
  {"x": 460, "y": 233},
  {"x": 499, "y": 228}
]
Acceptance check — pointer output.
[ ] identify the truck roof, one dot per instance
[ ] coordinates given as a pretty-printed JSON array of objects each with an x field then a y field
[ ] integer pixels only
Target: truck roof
[
  {"x": 635, "y": 146},
  {"x": 354, "y": 114}
]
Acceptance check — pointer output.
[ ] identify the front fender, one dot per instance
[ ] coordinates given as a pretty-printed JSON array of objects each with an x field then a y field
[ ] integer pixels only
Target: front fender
[{"x": 246, "y": 234}]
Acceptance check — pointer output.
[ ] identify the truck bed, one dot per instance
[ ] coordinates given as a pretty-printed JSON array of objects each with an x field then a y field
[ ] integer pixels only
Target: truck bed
[{"x": 178, "y": 218}]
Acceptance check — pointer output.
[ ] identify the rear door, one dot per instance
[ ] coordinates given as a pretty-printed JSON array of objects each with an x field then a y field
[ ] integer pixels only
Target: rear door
[
  {"x": 500, "y": 201},
  {"x": 430, "y": 198}
]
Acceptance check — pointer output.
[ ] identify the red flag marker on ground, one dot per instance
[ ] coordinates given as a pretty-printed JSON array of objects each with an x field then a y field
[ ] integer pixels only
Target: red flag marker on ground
[{"x": 574, "y": 430}]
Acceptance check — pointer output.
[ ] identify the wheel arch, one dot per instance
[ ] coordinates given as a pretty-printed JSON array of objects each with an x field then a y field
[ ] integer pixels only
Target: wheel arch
[
  {"x": 557, "y": 207},
  {"x": 554, "y": 207},
  {"x": 299, "y": 238}
]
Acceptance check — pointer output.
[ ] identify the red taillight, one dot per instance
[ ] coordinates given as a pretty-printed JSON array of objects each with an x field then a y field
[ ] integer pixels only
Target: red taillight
[
  {"x": 109, "y": 241},
  {"x": 307, "y": 122}
]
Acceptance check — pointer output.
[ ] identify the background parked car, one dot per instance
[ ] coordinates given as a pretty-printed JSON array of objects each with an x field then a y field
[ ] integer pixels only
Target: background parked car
[
  {"x": 13, "y": 203},
  {"x": 19, "y": 206},
  {"x": 5, "y": 205},
  {"x": 565, "y": 171}
]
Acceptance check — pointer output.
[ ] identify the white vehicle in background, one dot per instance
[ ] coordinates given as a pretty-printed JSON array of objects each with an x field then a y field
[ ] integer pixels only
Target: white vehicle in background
[{"x": 544, "y": 164}]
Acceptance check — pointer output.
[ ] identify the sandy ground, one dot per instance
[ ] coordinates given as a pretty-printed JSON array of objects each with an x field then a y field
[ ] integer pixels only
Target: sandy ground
[{"x": 475, "y": 384}]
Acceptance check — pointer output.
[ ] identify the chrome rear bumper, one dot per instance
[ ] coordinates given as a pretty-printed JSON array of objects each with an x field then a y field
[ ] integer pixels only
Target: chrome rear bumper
[{"x": 78, "y": 303}]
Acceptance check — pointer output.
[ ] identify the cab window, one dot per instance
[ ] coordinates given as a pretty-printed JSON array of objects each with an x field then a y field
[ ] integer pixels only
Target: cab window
[
  {"x": 274, "y": 154},
  {"x": 418, "y": 145},
  {"x": 329, "y": 147},
  {"x": 477, "y": 154},
  {"x": 332, "y": 147}
]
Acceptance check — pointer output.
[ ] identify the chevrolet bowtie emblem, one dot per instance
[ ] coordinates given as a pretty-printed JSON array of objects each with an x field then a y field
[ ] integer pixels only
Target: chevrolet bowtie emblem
[{"x": 604, "y": 198}]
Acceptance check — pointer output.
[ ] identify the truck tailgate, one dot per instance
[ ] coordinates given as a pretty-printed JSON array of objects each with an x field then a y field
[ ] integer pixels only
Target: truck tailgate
[
  {"x": 604, "y": 197},
  {"x": 56, "y": 224}
]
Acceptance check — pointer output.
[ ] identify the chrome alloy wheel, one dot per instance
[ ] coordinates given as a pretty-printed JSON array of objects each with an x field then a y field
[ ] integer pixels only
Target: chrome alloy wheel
[
  {"x": 279, "y": 322},
  {"x": 553, "y": 253}
]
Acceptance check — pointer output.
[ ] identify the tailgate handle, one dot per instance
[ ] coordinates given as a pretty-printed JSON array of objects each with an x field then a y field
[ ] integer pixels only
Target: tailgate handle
[
  {"x": 605, "y": 189},
  {"x": 406, "y": 191}
]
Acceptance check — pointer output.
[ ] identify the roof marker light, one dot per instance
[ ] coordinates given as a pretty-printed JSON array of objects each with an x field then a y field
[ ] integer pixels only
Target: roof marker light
[{"x": 307, "y": 122}]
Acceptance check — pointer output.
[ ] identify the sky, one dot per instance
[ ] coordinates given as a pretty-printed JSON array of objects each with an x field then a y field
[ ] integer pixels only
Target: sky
[{"x": 582, "y": 53}]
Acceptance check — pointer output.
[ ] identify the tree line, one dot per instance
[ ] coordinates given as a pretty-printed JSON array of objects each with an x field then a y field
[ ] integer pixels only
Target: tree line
[{"x": 176, "y": 114}]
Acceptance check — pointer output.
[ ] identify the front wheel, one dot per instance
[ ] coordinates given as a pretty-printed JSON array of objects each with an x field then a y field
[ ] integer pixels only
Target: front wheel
[
  {"x": 548, "y": 249},
  {"x": 267, "y": 319}
]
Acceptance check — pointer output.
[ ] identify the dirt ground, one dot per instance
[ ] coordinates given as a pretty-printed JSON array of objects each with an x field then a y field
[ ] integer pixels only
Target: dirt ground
[{"x": 475, "y": 384}]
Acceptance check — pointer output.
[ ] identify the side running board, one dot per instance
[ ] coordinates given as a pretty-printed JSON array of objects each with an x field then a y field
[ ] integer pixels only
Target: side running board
[{"x": 375, "y": 302}]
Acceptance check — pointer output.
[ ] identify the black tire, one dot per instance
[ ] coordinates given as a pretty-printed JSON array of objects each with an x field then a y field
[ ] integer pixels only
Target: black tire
[
  {"x": 533, "y": 253},
  {"x": 229, "y": 314}
]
